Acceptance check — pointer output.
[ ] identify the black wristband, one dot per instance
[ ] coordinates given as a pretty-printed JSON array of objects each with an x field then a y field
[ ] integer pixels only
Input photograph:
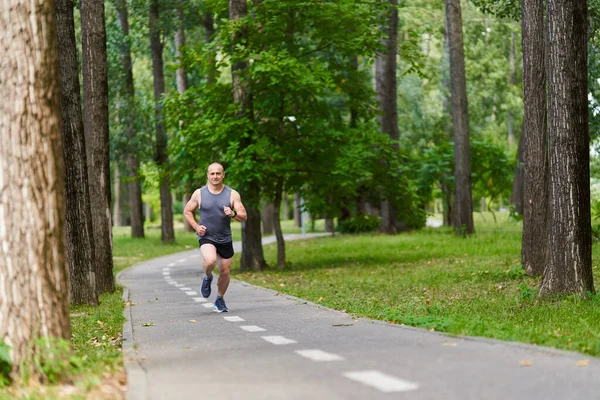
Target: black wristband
[{"x": 234, "y": 214}]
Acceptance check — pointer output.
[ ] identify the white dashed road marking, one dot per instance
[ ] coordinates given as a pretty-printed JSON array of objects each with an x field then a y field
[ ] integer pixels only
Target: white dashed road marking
[
  {"x": 252, "y": 328},
  {"x": 278, "y": 340},
  {"x": 319, "y": 355},
  {"x": 200, "y": 300},
  {"x": 208, "y": 305},
  {"x": 194, "y": 256},
  {"x": 381, "y": 381},
  {"x": 185, "y": 288},
  {"x": 234, "y": 319},
  {"x": 182, "y": 260},
  {"x": 171, "y": 265},
  {"x": 180, "y": 285},
  {"x": 166, "y": 269},
  {"x": 172, "y": 283},
  {"x": 192, "y": 293},
  {"x": 166, "y": 273}
]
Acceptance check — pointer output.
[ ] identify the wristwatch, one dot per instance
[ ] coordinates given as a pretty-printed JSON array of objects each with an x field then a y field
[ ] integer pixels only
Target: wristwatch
[{"x": 234, "y": 214}]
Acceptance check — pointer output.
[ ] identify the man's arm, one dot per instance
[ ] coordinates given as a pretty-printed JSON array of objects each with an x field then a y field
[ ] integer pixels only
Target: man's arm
[
  {"x": 237, "y": 208},
  {"x": 188, "y": 213}
]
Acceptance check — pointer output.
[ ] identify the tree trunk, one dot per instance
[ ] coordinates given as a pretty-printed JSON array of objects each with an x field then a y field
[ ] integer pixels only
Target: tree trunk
[
  {"x": 34, "y": 280},
  {"x": 286, "y": 207},
  {"x": 117, "y": 197},
  {"x": 252, "y": 251},
  {"x": 463, "y": 204},
  {"x": 95, "y": 106},
  {"x": 209, "y": 29},
  {"x": 182, "y": 83},
  {"x": 297, "y": 211},
  {"x": 79, "y": 235},
  {"x": 535, "y": 141},
  {"x": 569, "y": 259},
  {"x": 267, "y": 219},
  {"x": 385, "y": 86},
  {"x": 516, "y": 197},
  {"x": 161, "y": 157},
  {"x": 277, "y": 225},
  {"x": 135, "y": 184}
]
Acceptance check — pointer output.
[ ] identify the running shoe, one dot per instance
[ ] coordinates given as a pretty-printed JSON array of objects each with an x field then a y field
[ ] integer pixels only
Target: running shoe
[
  {"x": 220, "y": 305},
  {"x": 205, "y": 288}
]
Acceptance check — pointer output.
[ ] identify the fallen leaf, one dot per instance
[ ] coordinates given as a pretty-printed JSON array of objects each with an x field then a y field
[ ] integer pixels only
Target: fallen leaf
[
  {"x": 320, "y": 298},
  {"x": 582, "y": 363},
  {"x": 282, "y": 284},
  {"x": 193, "y": 320},
  {"x": 525, "y": 363},
  {"x": 148, "y": 324},
  {"x": 342, "y": 324},
  {"x": 449, "y": 344}
]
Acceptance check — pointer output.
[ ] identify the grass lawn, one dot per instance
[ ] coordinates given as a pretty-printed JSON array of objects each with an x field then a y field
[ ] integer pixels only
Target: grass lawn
[{"x": 432, "y": 279}]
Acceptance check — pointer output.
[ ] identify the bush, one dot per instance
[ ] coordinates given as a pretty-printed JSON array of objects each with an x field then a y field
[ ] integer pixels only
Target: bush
[
  {"x": 5, "y": 364},
  {"x": 359, "y": 223}
]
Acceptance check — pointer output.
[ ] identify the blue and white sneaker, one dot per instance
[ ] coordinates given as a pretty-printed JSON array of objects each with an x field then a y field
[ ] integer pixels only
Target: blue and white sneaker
[
  {"x": 205, "y": 288},
  {"x": 220, "y": 305}
]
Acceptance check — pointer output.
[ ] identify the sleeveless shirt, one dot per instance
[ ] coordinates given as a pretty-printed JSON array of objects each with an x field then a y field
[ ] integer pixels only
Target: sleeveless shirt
[{"x": 218, "y": 225}]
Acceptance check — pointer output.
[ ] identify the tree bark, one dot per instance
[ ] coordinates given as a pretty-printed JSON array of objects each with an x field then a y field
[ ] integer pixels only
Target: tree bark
[
  {"x": 161, "y": 157},
  {"x": 34, "y": 280},
  {"x": 277, "y": 225},
  {"x": 135, "y": 184},
  {"x": 535, "y": 140},
  {"x": 79, "y": 235},
  {"x": 117, "y": 197},
  {"x": 463, "y": 204},
  {"x": 95, "y": 105},
  {"x": 182, "y": 83},
  {"x": 267, "y": 219},
  {"x": 512, "y": 81},
  {"x": 569, "y": 258},
  {"x": 297, "y": 220},
  {"x": 386, "y": 88}
]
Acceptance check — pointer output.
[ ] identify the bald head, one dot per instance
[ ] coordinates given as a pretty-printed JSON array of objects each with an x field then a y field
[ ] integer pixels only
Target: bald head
[{"x": 215, "y": 165}]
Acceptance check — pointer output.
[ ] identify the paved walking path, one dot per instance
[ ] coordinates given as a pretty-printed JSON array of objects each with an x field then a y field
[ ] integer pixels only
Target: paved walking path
[{"x": 274, "y": 346}]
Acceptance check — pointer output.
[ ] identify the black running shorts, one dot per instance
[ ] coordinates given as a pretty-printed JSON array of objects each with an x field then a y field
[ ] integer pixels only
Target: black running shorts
[{"x": 224, "y": 250}]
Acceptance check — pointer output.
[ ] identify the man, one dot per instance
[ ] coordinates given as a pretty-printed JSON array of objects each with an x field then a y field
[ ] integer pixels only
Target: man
[{"x": 218, "y": 204}]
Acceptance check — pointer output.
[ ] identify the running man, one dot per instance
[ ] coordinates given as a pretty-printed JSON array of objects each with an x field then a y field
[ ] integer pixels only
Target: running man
[{"x": 218, "y": 205}]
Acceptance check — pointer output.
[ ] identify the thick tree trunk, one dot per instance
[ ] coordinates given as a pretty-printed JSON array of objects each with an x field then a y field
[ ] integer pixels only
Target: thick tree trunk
[
  {"x": 79, "y": 235},
  {"x": 182, "y": 83},
  {"x": 267, "y": 219},
  {"x": 161, "y": 157},
  {"x": 34, "y": 280},
  {"x": 569, "y": 259},
  {"x": 516, "y": 197},
  {"x": 95, "y": 105},
  {"x": 386, "y": 88},
  {"x": 117, "y": 197},
  {"x": 135, "y": 185},
  {"x": 535, "y": 141},
  {"x": 463, "y": 204},
  {"x": 252, "y": 251}
]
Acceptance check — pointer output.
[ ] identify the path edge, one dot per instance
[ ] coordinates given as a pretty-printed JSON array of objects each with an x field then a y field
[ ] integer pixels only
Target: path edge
[{"x": 136, "y": 376}]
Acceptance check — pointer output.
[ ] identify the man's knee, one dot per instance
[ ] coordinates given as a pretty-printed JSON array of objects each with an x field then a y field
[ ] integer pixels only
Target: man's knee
[
  {"x": 210, "y": 262},
  {"x": 224, "y": 269}
]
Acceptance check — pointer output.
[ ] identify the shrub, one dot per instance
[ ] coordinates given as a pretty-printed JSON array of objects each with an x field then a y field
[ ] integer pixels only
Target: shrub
[{"x": 359, "y": 223}]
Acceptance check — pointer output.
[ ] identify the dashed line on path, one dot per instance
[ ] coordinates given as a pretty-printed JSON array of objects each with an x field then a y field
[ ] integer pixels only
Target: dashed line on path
[
  {"x": 185, "y": 288},
  {"x": 172, "y": 283},
  {"x": 319, "y": 355},
  {"x": 171, "y": 265},
  {"x": 200, "y": 300},
  {"x": 182, "y": 260},
  {"x": 252, "y": 328},
  {"x": 278, "y": 340},
  {"x": 234, "y": 319},
  {"x": 166, "y": 273},
  {"x": 166, "y": 268},
  {"x": 208, "y": 305},
  {"x": 180, "y": 285},
  {"x": 191, "y": 293},
  {"x": 381, "y": 381},
  {"x": 194, "y": 256}
]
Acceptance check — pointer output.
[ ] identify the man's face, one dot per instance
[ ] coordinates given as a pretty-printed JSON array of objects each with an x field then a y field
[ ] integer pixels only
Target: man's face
[{"x": 215, "y": 174}]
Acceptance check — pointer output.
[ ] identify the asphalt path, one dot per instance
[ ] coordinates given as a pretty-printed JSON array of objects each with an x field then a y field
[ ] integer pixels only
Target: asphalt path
[{"x": 274, "y": 346}]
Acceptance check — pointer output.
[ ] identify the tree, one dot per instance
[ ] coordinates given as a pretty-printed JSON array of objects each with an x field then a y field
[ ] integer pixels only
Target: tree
[
  {"x": 79, "y": 233},
  {"x": 252, "y": 252},
  {"x": 535, "y": 142},
  {"x": 463, "y": 207},
  {"x": 34, "y": 280},
  {"x": 95, "y": 107},
  {"x": 569, "y": 258},
  {"x": 386, "y": 86},
  {"x": 161, "y": 157},
  {"x": 128, "y": 96}
]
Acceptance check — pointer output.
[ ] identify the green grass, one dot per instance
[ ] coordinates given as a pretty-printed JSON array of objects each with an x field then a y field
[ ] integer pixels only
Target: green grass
[{"x": 432, "y": 279}]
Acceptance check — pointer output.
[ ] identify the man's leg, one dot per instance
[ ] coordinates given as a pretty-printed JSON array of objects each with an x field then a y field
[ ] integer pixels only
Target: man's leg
[
  {"x": 223, "y": 281},
  {"x": 209, "y": 253}
]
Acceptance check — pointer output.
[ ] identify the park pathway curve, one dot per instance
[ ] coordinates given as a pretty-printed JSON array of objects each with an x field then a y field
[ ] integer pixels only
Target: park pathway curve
[{"x": 274, "y": 346}]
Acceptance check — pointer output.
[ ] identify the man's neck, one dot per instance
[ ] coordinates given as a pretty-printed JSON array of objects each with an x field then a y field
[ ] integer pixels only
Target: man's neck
[{"x": 215, "y": 189}]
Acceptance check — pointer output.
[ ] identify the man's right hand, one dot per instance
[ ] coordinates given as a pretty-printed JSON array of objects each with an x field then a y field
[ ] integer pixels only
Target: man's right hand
[{"x": 201, "y": 230}]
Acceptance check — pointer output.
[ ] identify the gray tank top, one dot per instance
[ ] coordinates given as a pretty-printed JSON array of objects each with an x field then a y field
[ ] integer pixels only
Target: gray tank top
[{"x": 218, "y": 225}]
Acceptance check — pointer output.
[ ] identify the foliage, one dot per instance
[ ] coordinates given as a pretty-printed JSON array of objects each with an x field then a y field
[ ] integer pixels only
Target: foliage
[
  {"x": 359, "y": 224},
  {"x": 5, "y": 364},
  {"x": 54, "y": 359},
  {"x": 500, "y": 8}
]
